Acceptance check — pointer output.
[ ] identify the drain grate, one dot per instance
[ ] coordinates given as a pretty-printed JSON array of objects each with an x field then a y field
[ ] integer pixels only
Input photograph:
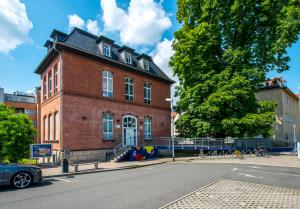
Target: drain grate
[{"x": 233, "y": 194}]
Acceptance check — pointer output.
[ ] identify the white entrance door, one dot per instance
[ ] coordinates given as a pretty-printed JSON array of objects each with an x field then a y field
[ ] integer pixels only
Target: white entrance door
[
  {"x": 129, "y": 130},
  {"x": 129, "y": 136}
]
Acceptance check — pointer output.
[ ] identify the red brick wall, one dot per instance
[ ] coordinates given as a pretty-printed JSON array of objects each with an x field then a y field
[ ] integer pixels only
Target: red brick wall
[
  {"x": 84, "y": 75},
  {"x": 51, "y": 104},
  {"x": 50, "y": 107},
  {"x": 83, "y": 104},
  {"x": 82, "y": 119}
]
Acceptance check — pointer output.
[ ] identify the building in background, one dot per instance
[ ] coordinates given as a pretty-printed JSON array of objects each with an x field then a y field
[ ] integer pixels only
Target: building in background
[
  {"x": 26, "y": 103},
  {"x": 97, "y": 95},
  {"x": 287, "y": 111},
  {"x": 1, "y": 95}
]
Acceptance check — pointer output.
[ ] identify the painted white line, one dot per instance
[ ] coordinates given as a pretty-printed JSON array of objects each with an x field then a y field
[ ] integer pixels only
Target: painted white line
[
  {"x": 253, "y": 167},
  {"x": 251, "y": 176},
  {"x": 63, "y": 180},
  {"x": 276, "y": 173}
]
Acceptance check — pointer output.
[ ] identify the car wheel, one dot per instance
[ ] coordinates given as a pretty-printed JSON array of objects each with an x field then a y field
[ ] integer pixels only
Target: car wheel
[{"x": 21, "y": 180}]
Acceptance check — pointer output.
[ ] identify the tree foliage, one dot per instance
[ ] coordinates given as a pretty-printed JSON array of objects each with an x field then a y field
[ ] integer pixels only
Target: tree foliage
[
  {"x": 16, "y": 134},
  {"x": 223, "y": 51}
]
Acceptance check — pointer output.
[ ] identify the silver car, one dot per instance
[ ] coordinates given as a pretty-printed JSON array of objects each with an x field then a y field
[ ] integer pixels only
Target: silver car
[{"x": 19, "y": 176}]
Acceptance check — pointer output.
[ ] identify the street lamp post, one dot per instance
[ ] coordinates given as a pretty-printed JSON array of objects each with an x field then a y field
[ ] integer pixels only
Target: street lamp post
[{"x": 172, "y": 128}]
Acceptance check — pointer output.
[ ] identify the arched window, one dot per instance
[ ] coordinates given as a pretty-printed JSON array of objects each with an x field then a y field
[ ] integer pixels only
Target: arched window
[
  {"x": 45, "y": 88},
  {"x": 55, "y": 79},
  {"x": 50, "y": 84},
  {"x": 129, "y": 89},
  {"x": 50, "y": 124},
  {"x": 56, "y": 125},
  {"x": 45, "y": 129},
  {"x": 107, "y": 83}
]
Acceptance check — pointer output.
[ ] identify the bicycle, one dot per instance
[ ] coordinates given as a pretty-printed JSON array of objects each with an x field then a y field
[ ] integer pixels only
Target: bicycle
[
  {"x": 261, "y": 151},
  {"x": 238, "y": 154}
]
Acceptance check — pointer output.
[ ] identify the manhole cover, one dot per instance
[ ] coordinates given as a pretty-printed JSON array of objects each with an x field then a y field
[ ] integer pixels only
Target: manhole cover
[{"x": 227, "y": 193}]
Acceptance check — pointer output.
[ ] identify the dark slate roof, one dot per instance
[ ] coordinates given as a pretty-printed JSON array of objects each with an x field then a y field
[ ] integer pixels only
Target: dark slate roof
[
  {"x": 86, "y": 43},
  {"x": 48, "y": 43}
]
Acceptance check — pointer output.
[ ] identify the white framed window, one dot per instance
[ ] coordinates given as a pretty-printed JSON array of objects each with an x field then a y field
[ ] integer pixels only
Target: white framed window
[
  {"x": 128, "y": 58},
  {"x": 146, "y": 65},
  {"x": 129, "y": 89},
  {"x": 106, "y": 49},
  {"x": 50, "y": 124},
  {"x": 107, "y": 126},
  {"x": 107, "y": 84},
  {"x": 56, "y": 125},
  {"x": 55, "y": 79},
  {"x": 45, "y": 129},
  {"x": 45, "y": 88},
  {"x": 50, "y": 84},
  {"x": 147, "y": 128},
  {"x": 147, "y": 93}
]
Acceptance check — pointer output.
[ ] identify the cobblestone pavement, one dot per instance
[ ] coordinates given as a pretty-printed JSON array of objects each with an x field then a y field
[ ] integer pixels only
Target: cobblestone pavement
[{"x": 232, "y": 194}]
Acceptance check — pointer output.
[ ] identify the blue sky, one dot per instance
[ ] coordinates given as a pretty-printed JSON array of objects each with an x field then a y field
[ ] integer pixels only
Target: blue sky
[{"x": 22, "y": 49}]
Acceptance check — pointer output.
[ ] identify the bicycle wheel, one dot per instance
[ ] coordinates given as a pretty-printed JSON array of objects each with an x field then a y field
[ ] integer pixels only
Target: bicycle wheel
[{"x": 266, "y": 153}]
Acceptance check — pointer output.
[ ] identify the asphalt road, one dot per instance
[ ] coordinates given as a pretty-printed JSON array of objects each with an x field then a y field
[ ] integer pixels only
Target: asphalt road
[{"x": 147, "y": 187}]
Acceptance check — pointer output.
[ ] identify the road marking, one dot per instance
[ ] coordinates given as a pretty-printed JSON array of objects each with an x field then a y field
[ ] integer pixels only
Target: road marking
[
  {"x": 253, "y": 167},
  {"x": 279, "y": 173},
  {"x": 251, "y": 176},
  {"x": 63, "y": 180}
]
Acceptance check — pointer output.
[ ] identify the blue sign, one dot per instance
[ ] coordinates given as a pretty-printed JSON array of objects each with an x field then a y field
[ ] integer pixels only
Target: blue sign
[{"x": 40, "y": 150}]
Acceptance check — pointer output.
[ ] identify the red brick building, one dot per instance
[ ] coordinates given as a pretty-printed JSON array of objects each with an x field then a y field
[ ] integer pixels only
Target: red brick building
[{"x": 96, "y": 95}]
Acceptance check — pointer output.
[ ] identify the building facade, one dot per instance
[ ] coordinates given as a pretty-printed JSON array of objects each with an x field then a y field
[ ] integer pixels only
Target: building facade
[
  {"x": 96, "y": 95},
  {"x": 287, "y": 126},
  {"x": 25, "y": 103}
]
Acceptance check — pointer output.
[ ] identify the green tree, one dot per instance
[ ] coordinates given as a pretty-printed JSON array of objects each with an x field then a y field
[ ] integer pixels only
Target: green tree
[
  {"x": 16, "y": 134},
  {"x": 223, "y": 52}
]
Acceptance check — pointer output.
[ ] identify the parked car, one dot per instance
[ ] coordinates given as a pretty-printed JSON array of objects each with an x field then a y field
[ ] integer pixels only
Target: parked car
[{"x": 19, "y": 176}]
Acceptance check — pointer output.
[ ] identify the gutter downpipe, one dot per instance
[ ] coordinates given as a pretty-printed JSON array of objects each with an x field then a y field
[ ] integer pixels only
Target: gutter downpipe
[{"x": 61, "y": 95}]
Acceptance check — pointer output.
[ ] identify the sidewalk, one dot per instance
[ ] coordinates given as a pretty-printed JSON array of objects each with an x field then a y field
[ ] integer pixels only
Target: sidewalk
[
  {"x": 282, "y": 161},
  {"x": 102, "y": 167}
]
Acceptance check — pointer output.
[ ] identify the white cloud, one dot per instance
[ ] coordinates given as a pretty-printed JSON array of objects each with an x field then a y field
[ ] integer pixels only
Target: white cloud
[
  {"x": 144, "y": 23},
  {"x": 75, "y": 21},
  {"x": 92, "y": 27},
  {"x": 161, "y": 56},
  {"x": 14, "y": 25},
  {"x": 113, "y": 17}
]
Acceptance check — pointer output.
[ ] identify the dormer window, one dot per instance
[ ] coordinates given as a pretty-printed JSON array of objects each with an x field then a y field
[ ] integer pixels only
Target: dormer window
[
  {"x": 106, "y": 50},
  {"x": 144, "y": 61},
  {"x": 146, "y": 65},
  {"x": 128, "y": 58},
  {"x": 126, "y": 53}
]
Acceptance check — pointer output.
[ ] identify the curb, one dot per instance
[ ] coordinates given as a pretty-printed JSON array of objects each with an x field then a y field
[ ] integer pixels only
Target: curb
[{"x": 99, "y": 170}]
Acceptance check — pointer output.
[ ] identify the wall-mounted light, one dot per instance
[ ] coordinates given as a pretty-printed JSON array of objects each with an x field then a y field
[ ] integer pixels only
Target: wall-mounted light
[{"x": 83, "y": 118}]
